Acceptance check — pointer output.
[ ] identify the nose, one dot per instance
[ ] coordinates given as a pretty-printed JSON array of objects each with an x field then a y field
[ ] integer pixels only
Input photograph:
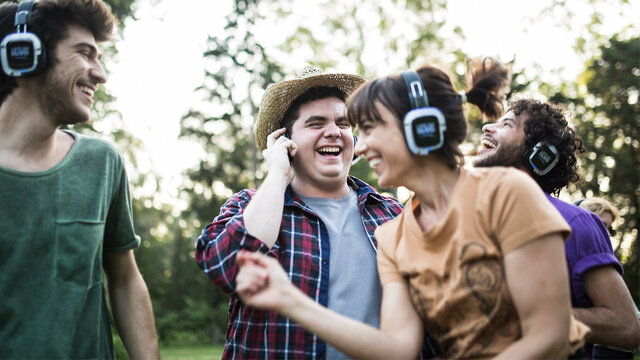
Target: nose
[
  {"x": 488, "y": 128},
  {"x": 332, "y": 130},
  {"x": 98, "y": 74}
]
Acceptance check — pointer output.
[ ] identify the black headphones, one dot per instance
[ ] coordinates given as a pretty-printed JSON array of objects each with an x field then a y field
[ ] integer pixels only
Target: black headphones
[
  {"x": 356, "y": 158},
  {"x": 542, "y": 158},
  {"x": 424, "y": 126},
  {"x": 22, "y": 54}
]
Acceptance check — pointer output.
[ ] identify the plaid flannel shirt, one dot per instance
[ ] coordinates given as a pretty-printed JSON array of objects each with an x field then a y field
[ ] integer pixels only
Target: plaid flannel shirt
[{"x": 302, "y": 248}]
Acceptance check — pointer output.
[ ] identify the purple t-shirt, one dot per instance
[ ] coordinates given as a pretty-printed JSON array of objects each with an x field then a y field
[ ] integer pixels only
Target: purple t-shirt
[{"x": 587, "y": 247}]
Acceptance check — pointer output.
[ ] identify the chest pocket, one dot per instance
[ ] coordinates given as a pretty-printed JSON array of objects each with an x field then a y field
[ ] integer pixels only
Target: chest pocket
[{"x": 78, "y": 252}]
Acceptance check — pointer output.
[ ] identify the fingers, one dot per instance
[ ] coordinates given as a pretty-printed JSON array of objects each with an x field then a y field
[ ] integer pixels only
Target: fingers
[
  {"x": 246, "y": 257},
  {"x": 275, "y": 136},
  {"x": 251, "y": 279},
  {"x": 269, "y": 266}
]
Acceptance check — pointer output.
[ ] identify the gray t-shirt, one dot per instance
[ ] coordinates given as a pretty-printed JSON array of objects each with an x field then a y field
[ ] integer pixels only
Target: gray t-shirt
[{"x": 354, "y": 285}]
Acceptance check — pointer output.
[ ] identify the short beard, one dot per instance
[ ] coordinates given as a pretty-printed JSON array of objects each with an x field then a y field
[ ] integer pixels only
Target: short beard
[
  {"x": 506, "y": 155},
  {"x": 54, "y": 99}
]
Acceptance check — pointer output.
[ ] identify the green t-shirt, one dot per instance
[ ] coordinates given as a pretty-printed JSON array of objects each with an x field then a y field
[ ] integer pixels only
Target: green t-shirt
[{"x": 54, "y": 226}]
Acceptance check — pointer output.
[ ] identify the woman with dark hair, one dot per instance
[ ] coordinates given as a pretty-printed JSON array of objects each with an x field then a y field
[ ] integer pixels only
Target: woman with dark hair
[{"x": 476, "y": 259}]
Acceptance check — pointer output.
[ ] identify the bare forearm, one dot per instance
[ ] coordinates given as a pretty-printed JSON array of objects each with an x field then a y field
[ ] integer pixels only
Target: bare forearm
[
  {"x": 355, "y": 339},
  {"x": 263, "y": 215},
  {"x": 608, "y": 328},
  {"x": 133, "y": 316},
  {"x": 541, "y": 347}
]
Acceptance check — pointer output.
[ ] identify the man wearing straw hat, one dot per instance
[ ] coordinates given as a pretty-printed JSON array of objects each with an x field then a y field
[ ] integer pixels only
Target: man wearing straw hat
[{"x": 308, "y": 213}]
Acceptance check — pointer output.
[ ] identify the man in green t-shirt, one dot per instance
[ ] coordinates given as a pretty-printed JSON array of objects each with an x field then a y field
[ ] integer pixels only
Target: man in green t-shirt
[{"x": 65, "y": 211}]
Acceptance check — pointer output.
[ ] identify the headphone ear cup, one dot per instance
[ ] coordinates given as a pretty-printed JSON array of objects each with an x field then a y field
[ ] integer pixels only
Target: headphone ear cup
[
  {"x": 542, "y": 158},
  {"x": 355, "y": 141},
  {"x": 23, "y": 54}
]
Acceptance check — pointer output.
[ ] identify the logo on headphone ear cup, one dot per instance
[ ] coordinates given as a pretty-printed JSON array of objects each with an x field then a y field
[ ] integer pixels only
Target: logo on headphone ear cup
[
  {"x": 424, "y": 126},
  {"x": 542, "y": 158},
  {"x": 22, "y": 54}
]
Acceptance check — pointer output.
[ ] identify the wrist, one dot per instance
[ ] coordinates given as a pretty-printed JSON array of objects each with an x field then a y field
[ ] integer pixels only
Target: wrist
[
  {"x": 292, "y": 299},
  {"x": 277, "y": 180}
]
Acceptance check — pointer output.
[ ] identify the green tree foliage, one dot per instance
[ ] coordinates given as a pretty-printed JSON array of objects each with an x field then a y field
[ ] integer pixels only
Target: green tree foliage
[
  {"x": 604, "y": 101},
  {"x": 240, "y": 70},
  {"x": 605, "y": 104}
]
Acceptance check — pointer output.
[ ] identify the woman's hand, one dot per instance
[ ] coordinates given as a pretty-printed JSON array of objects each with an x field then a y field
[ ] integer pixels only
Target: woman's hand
[{"x": 261, "y": 282}]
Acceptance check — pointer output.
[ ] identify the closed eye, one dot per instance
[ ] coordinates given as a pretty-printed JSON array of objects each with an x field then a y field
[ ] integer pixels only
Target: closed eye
[
  {"x": 366, "y": 127},
  {"x": 88, "y": 51},
  {"x": 507, "y": 122}
]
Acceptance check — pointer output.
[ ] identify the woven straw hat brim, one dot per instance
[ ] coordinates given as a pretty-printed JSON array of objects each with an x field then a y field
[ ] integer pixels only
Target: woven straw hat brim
[{"x": 279, "y": 96}]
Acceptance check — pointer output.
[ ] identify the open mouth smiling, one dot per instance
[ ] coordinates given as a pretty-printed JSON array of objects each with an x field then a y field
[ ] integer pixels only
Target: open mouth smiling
[
  {"x": 488, "y": 144},
  {"x": 329, "y": 150}
]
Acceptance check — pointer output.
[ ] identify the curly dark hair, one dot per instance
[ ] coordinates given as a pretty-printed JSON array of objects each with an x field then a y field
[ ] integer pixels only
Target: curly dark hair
[
  {"x": 50, "y": 20},
  {"x": 487, "y": 79},
  {"x": 546, "y": 122}
]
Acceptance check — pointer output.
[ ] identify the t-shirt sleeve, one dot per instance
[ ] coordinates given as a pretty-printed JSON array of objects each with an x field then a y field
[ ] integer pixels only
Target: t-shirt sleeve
[
  {"x": 119, "y": 230},
  {"x": 386, "y": 235},
  {"x": 519, "y": 211},
  {"x": 591, "y": 248}
]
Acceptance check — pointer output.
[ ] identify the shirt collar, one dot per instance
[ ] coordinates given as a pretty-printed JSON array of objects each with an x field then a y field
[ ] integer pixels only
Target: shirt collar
[{"x": 364, "y": 191}]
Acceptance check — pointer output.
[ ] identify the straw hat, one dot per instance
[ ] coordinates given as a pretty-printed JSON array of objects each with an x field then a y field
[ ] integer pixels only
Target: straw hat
[{"x": 279, "y": 96}]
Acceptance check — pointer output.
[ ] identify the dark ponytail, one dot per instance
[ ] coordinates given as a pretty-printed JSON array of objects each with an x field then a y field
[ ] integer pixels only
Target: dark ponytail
[{"x": 487, "y": 79}]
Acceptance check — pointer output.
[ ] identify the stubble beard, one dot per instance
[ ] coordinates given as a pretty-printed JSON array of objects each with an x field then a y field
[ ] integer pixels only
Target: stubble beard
[
  {"x": 508, "y": 155},
  {"x": 56, "y": 102}
]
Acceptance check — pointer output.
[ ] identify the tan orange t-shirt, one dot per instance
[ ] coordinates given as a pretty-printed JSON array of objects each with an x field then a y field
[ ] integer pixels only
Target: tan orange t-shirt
[{"x": 456, "y": 271}]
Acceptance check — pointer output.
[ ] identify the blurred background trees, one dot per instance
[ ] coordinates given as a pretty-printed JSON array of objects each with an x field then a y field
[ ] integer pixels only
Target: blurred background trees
[{"x": 371, "y": 38}]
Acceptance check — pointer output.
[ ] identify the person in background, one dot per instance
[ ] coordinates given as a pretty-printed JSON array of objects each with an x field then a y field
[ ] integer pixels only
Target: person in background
[
  {"x": 608, "y": 214},
  {"x": 536, "y": 138},
  {"x": 309, "y": 214},
  {"x": 603, "y": 208},
  {"x": 466, "y": 260},
  {"x": 65, "y": 213}
]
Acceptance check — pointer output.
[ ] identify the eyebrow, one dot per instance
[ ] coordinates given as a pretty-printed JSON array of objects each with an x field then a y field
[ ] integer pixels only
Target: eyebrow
[
  {"x": 504, "y": 119},
  {"x": 313, "y": 118}
]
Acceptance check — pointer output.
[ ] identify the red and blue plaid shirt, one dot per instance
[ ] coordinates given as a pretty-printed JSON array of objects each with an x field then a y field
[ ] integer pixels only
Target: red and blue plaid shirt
[{"x": 303, "y": 250}]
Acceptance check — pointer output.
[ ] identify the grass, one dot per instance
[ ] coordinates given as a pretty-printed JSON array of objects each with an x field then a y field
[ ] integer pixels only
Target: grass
[{"x": 187, "y": 352}]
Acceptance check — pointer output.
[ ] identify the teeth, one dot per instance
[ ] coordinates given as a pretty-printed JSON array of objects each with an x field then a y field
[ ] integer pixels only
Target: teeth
[
  {"x": 374, "y": 162},
  {"x": 329, "y": 150},
  {"x": 488, "y": 144},
  {"x": 87, "y": 90}
]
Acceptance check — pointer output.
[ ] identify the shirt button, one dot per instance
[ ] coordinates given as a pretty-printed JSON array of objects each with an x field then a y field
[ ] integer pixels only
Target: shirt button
[{"x": 324, "y": 261}]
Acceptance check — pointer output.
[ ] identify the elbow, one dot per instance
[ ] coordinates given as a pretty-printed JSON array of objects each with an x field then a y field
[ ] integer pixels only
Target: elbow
[
  {"x": 559, "y": 349},
  {"x": 555, "y": 345},
  {"x": 632, "y": 338}
]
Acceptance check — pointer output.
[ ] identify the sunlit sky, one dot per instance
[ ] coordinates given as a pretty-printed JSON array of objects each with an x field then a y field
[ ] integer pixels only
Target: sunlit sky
[{"x": 160, "y": 63}]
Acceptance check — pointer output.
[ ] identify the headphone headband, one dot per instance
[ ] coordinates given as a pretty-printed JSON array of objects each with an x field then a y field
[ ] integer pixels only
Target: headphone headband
[
  {"x": 417, "y": 93},
  {"x": 23, "y": 14}
]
